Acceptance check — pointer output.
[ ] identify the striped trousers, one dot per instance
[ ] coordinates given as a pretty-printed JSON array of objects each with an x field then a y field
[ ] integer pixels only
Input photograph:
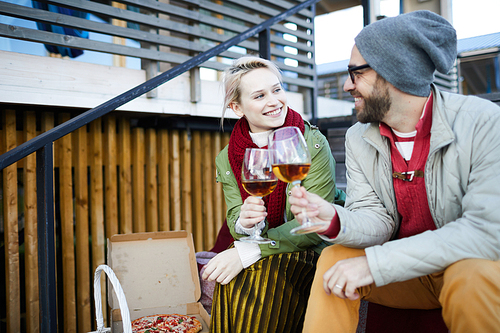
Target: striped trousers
[{"x": 269, "y": 296}]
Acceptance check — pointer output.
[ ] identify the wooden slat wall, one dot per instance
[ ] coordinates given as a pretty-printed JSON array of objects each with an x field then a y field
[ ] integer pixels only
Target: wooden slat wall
[
  {"x": 138, "y": 189},
  {"x": 10, "y": 225},
  {"x": 97, "y": 204},
  {"x": 151, "y": 182},
  {"x": 83, "y": 296},
  {"x": 30, "y": 229},
  {"x": 163, "y": 181},
  {"x": 207, "y": 177},
  {"x": 186, "y": 181},
  {"x": 64, "y": 149},
  {"x": 125, "y": 181},
  {"x": 109, "y": 175},
  {"x": 175, "y": 182},
  {"x": 197, "y": 191}
]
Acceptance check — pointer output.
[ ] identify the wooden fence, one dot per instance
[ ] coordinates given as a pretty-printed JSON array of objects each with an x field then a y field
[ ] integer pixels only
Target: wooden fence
[{"x": 110, "y": 177}]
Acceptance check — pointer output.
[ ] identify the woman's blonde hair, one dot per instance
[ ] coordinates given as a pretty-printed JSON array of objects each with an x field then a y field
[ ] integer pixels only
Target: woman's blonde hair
[{"x": 232, "y": 78}]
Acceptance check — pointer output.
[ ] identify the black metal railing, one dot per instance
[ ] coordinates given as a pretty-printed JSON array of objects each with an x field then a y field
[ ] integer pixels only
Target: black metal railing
[{"x": 43, "y": 146}]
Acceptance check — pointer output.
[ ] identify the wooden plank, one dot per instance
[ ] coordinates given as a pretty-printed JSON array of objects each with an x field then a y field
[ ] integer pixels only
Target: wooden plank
[
  {"x": 110, "y": 176},
  {"x": 63, "y": 146},
  {"x": 83, "y": 299},
  {"x": 183, "y": 13},
  {"x": 125, "y": 177},
  {"x": 118, "y": 28},
  {"x": 263, "y": 9},
  {"x": 270, "y": 12},
  {"x": 30, "y": 230},
  {"x": 118, "y": 60},
  {"x": 219, "y": 213},
  {"x": 196, "y": 191},
  {"x": 337, "y": 142},
  {"x": 47, "y": 123},
  {"x": 45, "y": 37},
  {"x": 186, "y": 179},
  {"x": 86, "y": 44},
  {"x": 337, "y": 131},
  {"x": 220, "y": 23},
  {"x": 253, "y": 18},
  {"x": 209, "y": 19},
  {"x": 41, "y": 36},
  {"x": 151, "y": 181},
  {"x": 138, "y": 192},
  {"x": 10, "y": 224},
  {"x": 303, "y": 32},
  {"x": 19, "y": 140},
  {"x": 163, "y": 180},
  {"x": 60, "y": 88},
  {"x": 175, "y": 186},
  {"x": 97, "y": 206},
  {"x": 207, "y": 186},
  {"x": 307, "y": 83}
]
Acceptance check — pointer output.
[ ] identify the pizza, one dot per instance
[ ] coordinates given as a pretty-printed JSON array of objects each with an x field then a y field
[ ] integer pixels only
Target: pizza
[{"x": 166, "y": 323}]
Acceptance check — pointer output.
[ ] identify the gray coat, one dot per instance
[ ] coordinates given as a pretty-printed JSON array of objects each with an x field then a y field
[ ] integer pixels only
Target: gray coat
[{"x": 462, "y": 177}]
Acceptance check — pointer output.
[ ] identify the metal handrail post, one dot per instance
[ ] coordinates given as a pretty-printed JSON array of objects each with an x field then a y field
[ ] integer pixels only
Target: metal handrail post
[
  {"x": 46, "y": 243},
  {"x": 265, "y": 44}
]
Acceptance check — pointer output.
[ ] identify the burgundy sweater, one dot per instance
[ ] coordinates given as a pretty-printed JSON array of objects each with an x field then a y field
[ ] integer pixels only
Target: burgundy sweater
[{"x": 409, "y": 182}]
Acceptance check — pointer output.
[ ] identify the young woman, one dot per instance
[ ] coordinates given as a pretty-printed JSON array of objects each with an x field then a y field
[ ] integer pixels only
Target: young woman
[{"x": 264, "y": 287}]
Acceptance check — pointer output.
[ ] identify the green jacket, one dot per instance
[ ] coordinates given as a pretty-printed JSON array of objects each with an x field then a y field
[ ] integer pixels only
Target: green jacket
[{"x": 320, "y": 180}]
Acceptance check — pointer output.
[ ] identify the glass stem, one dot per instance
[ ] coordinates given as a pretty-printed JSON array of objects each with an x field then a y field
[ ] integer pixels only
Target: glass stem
[
  {"x": 256, "y": 230},
  {"x": 305, "y": 219}
]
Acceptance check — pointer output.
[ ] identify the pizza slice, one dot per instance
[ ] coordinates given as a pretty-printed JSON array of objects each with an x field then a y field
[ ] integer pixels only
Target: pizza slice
[{"x": 166, "y": 323}]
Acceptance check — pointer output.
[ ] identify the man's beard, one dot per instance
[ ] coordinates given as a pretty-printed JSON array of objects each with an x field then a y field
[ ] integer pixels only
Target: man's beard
[{"x": 377, "y": 105}]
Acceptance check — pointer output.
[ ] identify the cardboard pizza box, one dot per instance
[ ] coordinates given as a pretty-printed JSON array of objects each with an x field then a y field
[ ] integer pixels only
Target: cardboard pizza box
[{"x": 158, "y": 274}]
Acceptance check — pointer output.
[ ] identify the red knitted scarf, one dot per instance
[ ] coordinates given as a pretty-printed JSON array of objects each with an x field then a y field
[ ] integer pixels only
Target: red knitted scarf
[{"x": 239, "y": 141}]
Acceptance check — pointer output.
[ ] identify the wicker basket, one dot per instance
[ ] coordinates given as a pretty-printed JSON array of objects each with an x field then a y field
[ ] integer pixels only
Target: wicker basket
[{"x": 127, "y": 326}]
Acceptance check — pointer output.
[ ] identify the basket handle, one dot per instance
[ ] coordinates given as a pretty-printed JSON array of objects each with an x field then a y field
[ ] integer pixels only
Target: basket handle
[{"x": 122, "y": 301}]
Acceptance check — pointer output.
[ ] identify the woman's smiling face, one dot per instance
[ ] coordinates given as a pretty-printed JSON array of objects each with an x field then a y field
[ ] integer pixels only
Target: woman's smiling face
[{"x": 262, "y": 100}]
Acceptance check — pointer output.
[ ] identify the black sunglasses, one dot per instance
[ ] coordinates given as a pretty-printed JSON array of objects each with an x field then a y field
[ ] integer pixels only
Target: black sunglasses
[{"x": 351, "y": 71}]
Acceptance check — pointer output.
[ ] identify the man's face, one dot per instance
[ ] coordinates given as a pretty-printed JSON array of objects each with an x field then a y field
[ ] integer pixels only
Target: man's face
[{"x": 372, "y": 99}]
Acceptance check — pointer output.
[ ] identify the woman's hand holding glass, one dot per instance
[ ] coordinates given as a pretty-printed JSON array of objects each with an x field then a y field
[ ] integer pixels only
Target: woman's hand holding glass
[
  {"x": 252, "y": 212},
  {"x": 258, "y": 180}
]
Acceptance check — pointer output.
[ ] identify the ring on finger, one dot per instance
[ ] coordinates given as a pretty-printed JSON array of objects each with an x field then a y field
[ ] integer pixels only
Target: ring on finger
[{"x": 338, "y": 286}]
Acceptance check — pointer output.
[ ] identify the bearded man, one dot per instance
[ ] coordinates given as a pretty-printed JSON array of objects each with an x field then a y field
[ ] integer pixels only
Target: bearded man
[{"x": 421, "y": 224}]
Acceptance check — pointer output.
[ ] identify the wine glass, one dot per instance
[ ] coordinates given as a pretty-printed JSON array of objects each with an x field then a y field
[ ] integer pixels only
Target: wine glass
[
  {"x": 258, "y": 180},
  {"x": 291, "y": 162}
]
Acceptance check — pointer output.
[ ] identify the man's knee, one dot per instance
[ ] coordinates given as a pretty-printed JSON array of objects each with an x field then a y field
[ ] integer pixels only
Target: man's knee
[
  {"x": 334, "y": 253},
  {"x": 471, "y": 276},
  {"x": 471, "y": 295}
]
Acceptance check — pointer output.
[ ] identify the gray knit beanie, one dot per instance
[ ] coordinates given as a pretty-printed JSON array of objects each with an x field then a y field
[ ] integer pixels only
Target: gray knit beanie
[{"x": 407, "y": 49}]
